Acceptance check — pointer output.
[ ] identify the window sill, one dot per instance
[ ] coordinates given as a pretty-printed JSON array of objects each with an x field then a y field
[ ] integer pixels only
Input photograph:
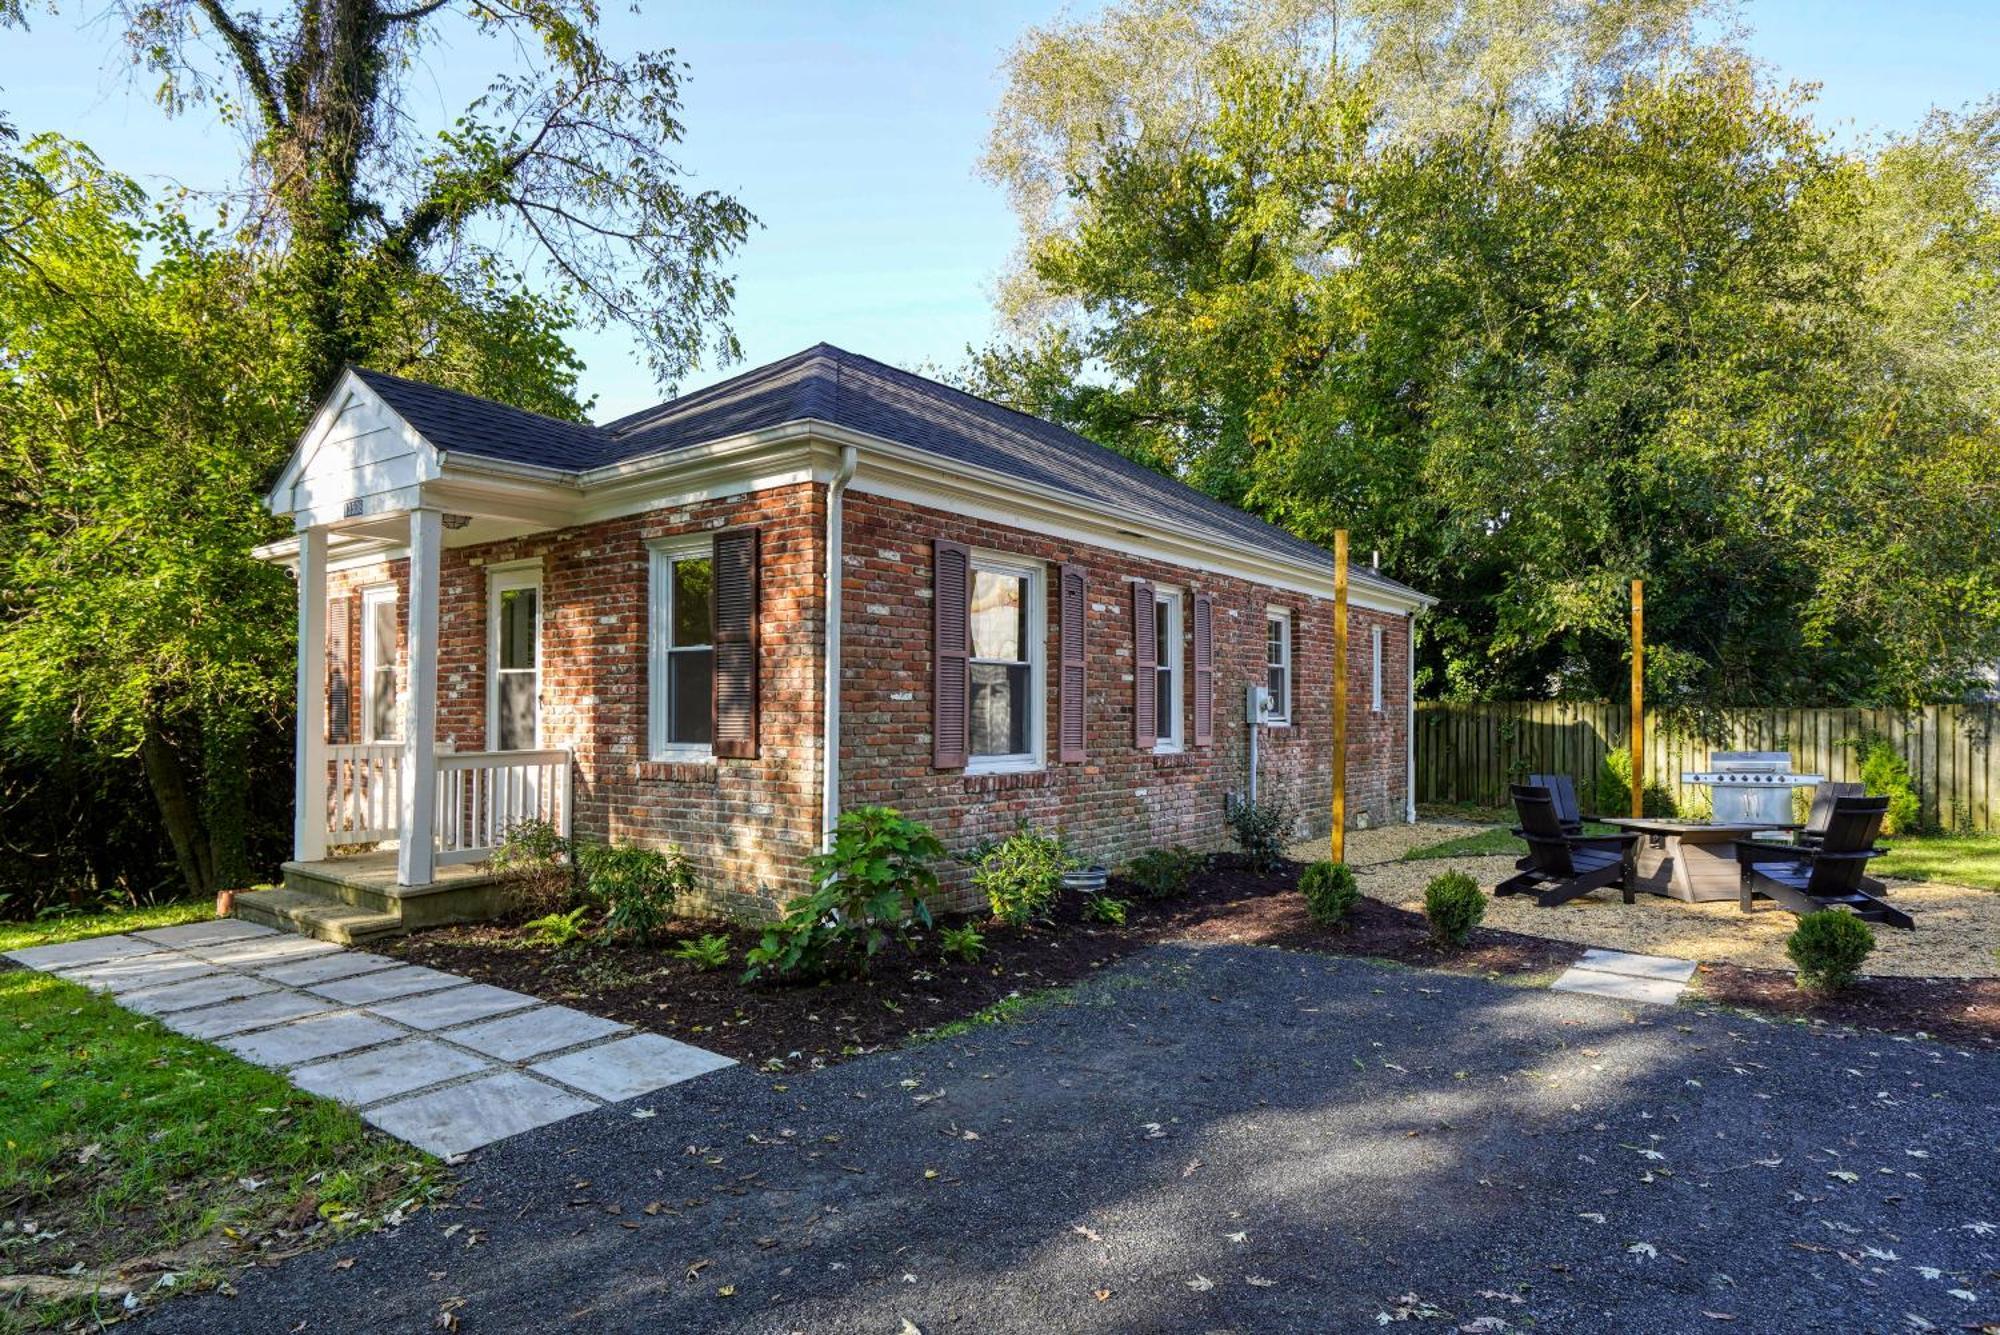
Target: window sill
[
  {"x": 1006, "y": 765},
  {"x": 1008, "y": 780},
  {"x": 688, "y": 770}
]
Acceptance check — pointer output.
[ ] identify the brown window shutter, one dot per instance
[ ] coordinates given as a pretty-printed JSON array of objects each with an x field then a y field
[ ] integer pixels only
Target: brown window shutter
[
  {"x": 339, "y": 674},
  {"x": 1204, "y": 669},
  {"x": 1145, "y": 661},
  {"x": 1070, "y": 738},
  {"x": 951, "y": 653},
  {"x": 732, "y": 610}
]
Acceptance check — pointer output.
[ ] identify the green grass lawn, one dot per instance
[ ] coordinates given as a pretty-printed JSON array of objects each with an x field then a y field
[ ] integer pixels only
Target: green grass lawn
[
  {"x": 1954, "y": 859},
  {"x": 126, "y": 1149},
  {"x": 74, "y": 927}
]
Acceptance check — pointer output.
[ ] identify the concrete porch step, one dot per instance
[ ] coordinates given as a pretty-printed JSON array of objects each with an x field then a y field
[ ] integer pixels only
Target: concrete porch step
[{"x": 314, "y": 915}]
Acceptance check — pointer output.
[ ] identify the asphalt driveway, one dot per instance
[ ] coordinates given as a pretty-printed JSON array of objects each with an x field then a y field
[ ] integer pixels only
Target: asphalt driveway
[{"x": 1230, "y": 1138}]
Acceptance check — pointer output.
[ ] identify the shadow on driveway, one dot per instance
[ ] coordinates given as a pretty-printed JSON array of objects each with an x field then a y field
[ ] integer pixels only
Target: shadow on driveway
[{"x": 1229, "y": 1138}]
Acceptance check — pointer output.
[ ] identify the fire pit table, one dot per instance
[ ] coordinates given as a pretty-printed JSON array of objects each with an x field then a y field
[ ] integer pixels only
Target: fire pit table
[{"x": 1686, "y": 859}]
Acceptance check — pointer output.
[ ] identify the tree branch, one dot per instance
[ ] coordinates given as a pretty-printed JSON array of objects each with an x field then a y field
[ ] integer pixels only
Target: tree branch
[{"x": 243, "y": 44}]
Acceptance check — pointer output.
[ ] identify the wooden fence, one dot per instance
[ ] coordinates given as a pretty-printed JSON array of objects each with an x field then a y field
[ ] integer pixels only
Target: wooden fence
[{"x": 1469, "y": 753}]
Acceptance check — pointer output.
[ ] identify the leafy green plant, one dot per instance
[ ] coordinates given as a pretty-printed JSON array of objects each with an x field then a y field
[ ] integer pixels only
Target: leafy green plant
[
  {"x": 706, "y": 953},
  {"x": 1829, "y": 947},
  {"x": 1884, "y": 773},
  {"x": 637, "y": 886},
  {"x": 871, "y": 886},
  {"x": 1614, "y": 788},
  {"x": 963, "y": 943},
  {"x": 1330, "y": 892},
  {"x": 558, "y": 929},
  {"x": 1103, "y": 908},
  {"x": 1259, "y": 829},
  {"x": 537, "y": 861},
  {"x": 1453, "y": 905},
  {"x": 1164, "y": 873},
  {"x": 1022, "y": 875}
]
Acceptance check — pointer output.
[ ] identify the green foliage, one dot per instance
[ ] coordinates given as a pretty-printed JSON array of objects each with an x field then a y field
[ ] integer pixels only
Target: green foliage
[
  {"x": 1164, "y": 873},
  {"x": 1829, "y": 948},
  {"x": 1453, "y": 905},
  {"x": 965, "y": 943},
  {"x": 1260, "y": 830},
  {"x": 537, "y": 861},
  {"x": 1534, "y": 343},
  {"x": 872, "y": 885},
  {"x": 558, "y": 929},
  {"x": 1103, "y": 908},
  {"x": 1330, "y": 892},
  {"x": 1021, "y": 876},
  {"x": 637, "y": 886},
  {"x": 706, "y": 953},
  {"x": 1614, "y": 788},
  {"x": 1884, "y": 773}
]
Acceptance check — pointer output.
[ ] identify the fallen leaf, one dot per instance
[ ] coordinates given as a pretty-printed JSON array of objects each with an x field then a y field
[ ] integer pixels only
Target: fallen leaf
[
  {"x": 1259, "y": 1282},
  {"x": 344, "y": 1263},
  {"x": 1201, "y": 1283}
]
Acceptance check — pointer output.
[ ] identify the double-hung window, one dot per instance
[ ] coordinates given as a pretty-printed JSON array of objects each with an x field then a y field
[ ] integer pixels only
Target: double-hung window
[
  {"x": 1278, "y": 664},
  {"x": 1007, "y": 629},
  {"x": 379, "y": 719},
  {"x": 1375, "y": 673},
  {"x": 514, "y": 658},
  {"x": 681, "y": 675},
  {"x": 1167, "y": 670}
]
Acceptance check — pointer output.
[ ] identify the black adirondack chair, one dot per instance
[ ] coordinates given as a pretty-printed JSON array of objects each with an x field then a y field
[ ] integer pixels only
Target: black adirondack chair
[
  {"x": 1561, "y": 864},
  {"x": 1806, "y": 880},
  {"x": 1563, "y": 789},
  {"x": 1813, "y": 831}
]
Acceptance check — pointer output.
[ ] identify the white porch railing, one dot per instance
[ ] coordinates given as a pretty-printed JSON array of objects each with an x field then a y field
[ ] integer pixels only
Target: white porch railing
[
  {"x": 484, "y": 794},
  {"x": 364, "y": 792}
]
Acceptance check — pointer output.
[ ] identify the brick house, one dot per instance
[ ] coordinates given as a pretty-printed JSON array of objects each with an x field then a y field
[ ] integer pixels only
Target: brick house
[{"x": 634, "y": 630}]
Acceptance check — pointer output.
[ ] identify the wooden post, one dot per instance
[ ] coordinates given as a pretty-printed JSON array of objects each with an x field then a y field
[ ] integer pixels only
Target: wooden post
[
  {"x": 1337, "y": 847},
  {"x": 1638, "y": 699}
]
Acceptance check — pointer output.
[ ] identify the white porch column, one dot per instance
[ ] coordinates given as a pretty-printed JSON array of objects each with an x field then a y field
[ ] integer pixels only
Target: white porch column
[
  {"x": 309, "y": 748},
  {"x": 416, "y": 853}
]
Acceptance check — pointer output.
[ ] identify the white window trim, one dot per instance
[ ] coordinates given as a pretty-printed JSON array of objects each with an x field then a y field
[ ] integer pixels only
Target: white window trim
[
  {"x": 661, "y": 555},
  {"x": 1169, "y": 735},
  {"x": 371, "y": 661},
  {"x": 500, "y": 579},
  {"x": 1375, "y": 674},
  {"x": 1036, "y": 756},
  {"x": 1281, "y": 710}
]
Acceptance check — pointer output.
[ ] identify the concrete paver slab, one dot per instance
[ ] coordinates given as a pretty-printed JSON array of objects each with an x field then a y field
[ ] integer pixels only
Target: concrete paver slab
[
  {"x": 1621, "y": 987},
  {"x": 532, "y": 1033},
  {"x": 382, "y": 1073},
  {"x": 1637, "y": 966},
  {"x": 628, "y": 1067},
  {"x": 389, "y": 983},
  {"x": 459, "y": 1005},
  {"x": 213, "y": 932},
  {"x": 194, "y": 994},
  {"x": 92, "y": 950},
  {"x": 311, "y": 1038},
  {"x": 465, "y": 1117},
  {"x": 139, "y": 971},
  {"x": 234, "y": 1017},
  {"x": 274, "y": 949},
  {"x": 324, "y": 968}
]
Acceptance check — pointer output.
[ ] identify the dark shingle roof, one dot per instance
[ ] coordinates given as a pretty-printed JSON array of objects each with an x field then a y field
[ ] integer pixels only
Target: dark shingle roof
[{"x": 828, "y": 384}]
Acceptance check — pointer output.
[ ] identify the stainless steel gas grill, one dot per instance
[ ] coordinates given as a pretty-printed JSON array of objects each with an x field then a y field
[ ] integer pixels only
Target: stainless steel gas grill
[{"x": 1752, "y": 788}]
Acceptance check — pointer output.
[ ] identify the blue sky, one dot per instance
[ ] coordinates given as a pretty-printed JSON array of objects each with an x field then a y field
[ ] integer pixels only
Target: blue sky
[{"x": 853, "y": 129}]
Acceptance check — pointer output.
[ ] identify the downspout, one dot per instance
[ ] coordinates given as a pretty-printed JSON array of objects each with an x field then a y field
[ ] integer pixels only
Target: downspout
[
  {"x": 829, "y": 731},
  {"x": 1410, "y": 724}
]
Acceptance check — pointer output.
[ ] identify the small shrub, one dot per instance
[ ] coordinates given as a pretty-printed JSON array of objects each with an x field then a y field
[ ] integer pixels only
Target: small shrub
[
  {"x": 1164, "y": 873},
  {"x": 1103, "y": 908},
  {"x": 1259, "y": 829},
  {"x": 1330, "y": 892},
  {"x": 637, "y": 886},
  {"x": 706, "y": 953},
  {"x": 1614, "y": 789},
  {"x": 963, "y": 943},
  {"x": 536, "y": 860},
  {"x": 872, "y": 884},
  {"x": 1884, "y": 773},
  {"x": 1453, "y": 905},
  {"x": 558, "y": 929},
  {"x": 1829, "y": 948},
  {"x": 1022, "y": 875}
]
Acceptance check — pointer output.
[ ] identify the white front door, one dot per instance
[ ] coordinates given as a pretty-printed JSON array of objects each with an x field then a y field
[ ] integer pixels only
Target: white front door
[{"x": 514, "y": 661}]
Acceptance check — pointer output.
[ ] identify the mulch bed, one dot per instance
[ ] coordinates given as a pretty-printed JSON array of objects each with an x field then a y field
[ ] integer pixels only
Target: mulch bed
[
  {"x": 908, "y": 993},
  {"x": 1957, "y": 1010}
]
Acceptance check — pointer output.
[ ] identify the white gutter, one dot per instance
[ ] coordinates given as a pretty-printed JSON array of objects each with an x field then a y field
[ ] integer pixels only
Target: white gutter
[{"x": 829, "y": 733}]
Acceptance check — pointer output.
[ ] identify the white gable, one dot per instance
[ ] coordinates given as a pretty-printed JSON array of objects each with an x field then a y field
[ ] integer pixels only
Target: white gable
[{"x": 357, "y": 458}]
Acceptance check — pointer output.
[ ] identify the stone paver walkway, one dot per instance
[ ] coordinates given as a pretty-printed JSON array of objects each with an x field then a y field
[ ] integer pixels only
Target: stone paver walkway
[
  {"x": 1650, "y": 979},
  {"x": 444, "y": 1063}
]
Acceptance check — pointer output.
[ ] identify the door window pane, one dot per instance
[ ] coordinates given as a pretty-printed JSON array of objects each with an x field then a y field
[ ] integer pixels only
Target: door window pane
[
  {"x": 690, "y": 678},
  {"x": 999, "y": 709},
  {"x": 692, "y": 581},
  {"x": 517, "y": 627},
  {"x": 382, "y": 706},
  {"x": 516, "y": 711}
]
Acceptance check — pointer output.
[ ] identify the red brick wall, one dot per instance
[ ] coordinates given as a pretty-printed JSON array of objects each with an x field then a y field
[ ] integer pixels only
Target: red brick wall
[
  {"x": 751, "y": 824},
  {"x": 1121, "y": 800}
]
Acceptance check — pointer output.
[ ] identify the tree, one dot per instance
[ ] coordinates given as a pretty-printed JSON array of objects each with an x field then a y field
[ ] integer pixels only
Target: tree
[{"x": 567, "y": 167}]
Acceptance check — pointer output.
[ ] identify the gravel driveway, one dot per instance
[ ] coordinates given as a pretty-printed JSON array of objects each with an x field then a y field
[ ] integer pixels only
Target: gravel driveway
[{"x": 1230, "y": 1138}]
